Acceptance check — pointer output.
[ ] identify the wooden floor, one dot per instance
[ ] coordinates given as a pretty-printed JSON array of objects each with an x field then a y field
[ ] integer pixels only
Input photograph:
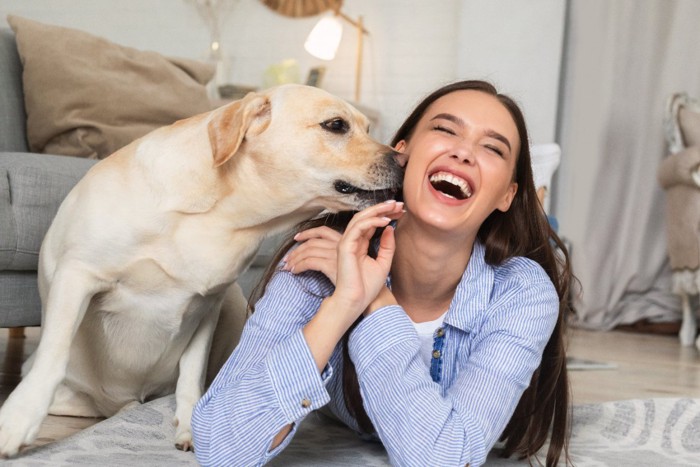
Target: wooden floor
[{"x": 645, "y": 366}]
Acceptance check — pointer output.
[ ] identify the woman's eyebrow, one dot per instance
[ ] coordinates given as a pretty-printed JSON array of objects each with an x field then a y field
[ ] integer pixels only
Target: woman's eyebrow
[
  {"x": 445, "y": 116},
  {"x": 458, "y": 121},
  {"x": 499, "y": 137}
]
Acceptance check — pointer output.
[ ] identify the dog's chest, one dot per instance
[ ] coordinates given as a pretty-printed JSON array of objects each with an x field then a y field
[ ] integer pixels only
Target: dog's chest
[
  {"x": 168, "y": 312},
  {"x": 176, "y": 279},
  {"x": 146, "y": 286},
  {"x": 209, "y": 262},
  {"x": 147, "y": 318}
]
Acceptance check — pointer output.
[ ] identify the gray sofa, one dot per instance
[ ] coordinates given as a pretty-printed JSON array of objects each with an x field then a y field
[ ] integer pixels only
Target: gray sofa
[{"x": 32, "y": 186}]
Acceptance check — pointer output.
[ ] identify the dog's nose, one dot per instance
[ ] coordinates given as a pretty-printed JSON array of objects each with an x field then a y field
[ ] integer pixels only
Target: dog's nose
[{"x": 400, "y": 158}]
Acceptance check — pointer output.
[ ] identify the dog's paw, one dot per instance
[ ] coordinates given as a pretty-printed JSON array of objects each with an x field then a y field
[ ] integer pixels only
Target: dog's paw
[
  {"x": 10, "y": 443},
  {"x": 183, "y": 427},
  {"x": 183, "y": 440},
  {"x": 18, "y": 427}
]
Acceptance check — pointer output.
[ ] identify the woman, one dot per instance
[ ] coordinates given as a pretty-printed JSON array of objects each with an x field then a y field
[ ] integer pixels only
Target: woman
[{"x": 446, "y": 339}]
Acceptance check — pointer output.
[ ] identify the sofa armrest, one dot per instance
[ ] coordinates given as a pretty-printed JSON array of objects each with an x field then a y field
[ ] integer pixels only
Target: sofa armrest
[{"x": 32, "y": 187}]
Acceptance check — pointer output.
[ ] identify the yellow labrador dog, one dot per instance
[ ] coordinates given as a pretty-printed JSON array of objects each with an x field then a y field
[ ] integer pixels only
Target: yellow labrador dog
[{"x": 146, "y": 249}]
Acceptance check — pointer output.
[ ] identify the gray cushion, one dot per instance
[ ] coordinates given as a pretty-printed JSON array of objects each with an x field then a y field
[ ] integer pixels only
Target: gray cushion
[
  {"x": 13, "y": 119},
  {"x": 32, "y": 186},
  {"x": 19, "y": 298}
]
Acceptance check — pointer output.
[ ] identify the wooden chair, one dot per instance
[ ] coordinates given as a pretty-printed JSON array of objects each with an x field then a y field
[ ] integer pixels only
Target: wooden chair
[{"x": 679, "y": 176}]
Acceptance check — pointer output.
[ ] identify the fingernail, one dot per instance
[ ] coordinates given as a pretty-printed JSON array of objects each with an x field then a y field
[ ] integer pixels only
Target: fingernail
[
  {"x": 296, "y": 235},
  {"x": 390, "y": 201}
]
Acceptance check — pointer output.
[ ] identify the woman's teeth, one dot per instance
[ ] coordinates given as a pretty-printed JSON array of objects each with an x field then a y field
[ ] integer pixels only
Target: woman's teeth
[{"x": 451, "y": 185}]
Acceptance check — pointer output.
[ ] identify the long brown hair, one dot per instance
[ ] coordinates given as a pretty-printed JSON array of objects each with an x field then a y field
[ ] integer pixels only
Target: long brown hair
[{"x": 523, "y": 230}]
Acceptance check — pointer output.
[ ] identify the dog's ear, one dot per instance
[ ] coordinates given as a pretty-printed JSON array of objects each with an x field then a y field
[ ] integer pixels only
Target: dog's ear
[{"x": 230, "y": 125}]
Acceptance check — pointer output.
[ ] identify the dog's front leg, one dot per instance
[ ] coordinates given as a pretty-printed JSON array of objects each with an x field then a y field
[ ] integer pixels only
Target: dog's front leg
[
  {"x": 190, "y": 383},
  {"x": 69, "y": 295}
]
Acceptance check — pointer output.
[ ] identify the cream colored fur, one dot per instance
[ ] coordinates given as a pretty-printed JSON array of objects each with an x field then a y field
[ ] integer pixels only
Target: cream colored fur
[{"x": 148, "y": 245}]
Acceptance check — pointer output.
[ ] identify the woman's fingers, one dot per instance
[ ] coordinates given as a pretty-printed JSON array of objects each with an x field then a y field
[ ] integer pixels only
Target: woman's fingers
[
  {"x": 319, "y": 247},
  {"x": 314, "y": 255},
  {"x": 356, "y": 242},
  {"x": 360, "y": 232},
  {"x": 317, "y": 252},
  {"x": 318, "y": 232},
  {"x": 359, "y": 276},
  {"x": 387, "y": 247},
  {"x": 391, "y": 209},
  {"x": 313, "y": 247},
  {"x": 322, "y": 265}
]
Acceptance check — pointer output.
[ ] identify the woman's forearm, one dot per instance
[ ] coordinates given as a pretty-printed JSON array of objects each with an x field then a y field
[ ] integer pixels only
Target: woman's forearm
[
  {"x": 268, "y": 385},
  {"x": 322, "y": 334},
  {"x": 253, "y": 408},
  {"x": 280, "y": 436},
  {"x": 325, "y": 330}
]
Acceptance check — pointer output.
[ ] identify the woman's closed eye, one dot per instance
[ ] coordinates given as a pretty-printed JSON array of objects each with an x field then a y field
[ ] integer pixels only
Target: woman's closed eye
[
  {"x": 494, "y": 149},
  {"x": 444, "y": 129}
]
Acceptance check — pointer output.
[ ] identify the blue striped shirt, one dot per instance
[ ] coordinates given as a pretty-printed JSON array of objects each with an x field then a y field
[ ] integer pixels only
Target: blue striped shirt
[{"x": 452, "y": 413}]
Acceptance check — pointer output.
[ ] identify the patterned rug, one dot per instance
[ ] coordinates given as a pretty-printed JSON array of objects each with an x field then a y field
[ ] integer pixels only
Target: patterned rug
[{"x": 649, "y": 432}]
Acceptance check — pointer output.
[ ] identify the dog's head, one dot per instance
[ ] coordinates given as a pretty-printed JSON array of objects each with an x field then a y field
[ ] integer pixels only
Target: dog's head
[{"x": 306, "y": 148}]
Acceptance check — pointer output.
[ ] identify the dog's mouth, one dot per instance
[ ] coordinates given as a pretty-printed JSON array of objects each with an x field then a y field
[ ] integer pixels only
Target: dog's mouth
[
  {"x": 377, "y": 195},
  {"x": 387, "y": 178}
]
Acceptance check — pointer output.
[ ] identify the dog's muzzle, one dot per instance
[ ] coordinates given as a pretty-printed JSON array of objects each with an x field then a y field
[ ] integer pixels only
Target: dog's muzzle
[{"x": 345, "y": 188}]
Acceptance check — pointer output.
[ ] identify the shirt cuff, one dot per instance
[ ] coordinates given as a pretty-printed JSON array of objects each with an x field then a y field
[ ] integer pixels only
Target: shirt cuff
[
  {"x": 299, "y": 387},
  {"x": 378, "y": 332}
]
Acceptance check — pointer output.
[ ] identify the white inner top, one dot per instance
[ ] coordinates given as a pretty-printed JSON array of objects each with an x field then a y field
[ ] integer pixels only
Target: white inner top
[{"x": 425, "y": 331}]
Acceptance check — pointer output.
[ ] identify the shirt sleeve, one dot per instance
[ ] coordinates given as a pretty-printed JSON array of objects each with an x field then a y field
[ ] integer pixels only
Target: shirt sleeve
[
  {"x": 417, "y": 423},
  {"x": 270, "y": 381}
]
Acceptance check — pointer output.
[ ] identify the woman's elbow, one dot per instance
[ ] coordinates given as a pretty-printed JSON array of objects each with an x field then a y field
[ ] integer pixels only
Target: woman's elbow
[{"x": 228, "y": 440}]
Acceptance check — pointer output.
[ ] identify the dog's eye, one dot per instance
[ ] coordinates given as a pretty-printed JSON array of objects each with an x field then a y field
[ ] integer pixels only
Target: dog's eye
[{"x": 336, "y": 125}]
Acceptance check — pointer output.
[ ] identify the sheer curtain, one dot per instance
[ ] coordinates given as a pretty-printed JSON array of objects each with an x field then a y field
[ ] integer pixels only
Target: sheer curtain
[{"x": 622, "y": 59}]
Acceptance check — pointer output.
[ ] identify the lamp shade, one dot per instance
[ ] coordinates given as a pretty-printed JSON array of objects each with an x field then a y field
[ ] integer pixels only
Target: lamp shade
[{"x": 324, "y": 38}]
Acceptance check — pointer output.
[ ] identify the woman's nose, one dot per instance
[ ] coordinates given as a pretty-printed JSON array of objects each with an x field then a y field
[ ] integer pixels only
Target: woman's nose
[{"x": 463, "y": 153}]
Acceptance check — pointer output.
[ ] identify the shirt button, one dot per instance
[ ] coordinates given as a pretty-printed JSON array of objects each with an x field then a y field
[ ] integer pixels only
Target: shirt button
[
  {"x": 305, "y": 403},
  {"x": 440, "y": 332},
  {"x": 436, "y": 354}
]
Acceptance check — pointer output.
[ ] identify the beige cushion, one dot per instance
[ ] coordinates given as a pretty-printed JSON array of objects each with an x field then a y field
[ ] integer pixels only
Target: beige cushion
[
  {"x": 88, "y": 97},
  {"x": 689, "y": 122}
]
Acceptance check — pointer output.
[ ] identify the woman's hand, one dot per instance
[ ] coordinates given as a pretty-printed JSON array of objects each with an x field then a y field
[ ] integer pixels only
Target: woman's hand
[
  {"x": 318, "y": 251},
  {"x": 359, "y": 277},
  {"x": 345, "y": 259}
]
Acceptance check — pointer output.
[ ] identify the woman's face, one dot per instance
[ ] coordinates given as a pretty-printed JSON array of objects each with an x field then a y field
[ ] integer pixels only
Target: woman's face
[{"x": 461, "y": 160}]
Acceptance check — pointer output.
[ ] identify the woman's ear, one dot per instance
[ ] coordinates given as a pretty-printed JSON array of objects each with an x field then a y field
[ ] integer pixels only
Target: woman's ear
[
  {"x": 400, "y": 146},
  {"x": 508, "y": 197}
]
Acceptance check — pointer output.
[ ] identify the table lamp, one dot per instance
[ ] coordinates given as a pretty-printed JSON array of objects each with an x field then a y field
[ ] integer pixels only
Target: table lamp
[{"x": 324, "y": 39}]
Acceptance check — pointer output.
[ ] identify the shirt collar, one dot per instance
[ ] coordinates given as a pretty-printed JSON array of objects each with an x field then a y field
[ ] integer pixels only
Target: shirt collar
[{"x": 473, "y": 292}]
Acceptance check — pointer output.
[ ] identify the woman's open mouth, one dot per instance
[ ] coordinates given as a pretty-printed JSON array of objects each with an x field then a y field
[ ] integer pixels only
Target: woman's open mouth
[{"x": 451, "y": 185}]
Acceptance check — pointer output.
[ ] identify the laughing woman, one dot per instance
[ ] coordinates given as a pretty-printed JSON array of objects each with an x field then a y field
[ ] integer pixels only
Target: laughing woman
[{"x": 446, "y": 337}]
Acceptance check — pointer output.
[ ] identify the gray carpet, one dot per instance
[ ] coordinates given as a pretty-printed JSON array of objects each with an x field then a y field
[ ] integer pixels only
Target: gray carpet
[{"x": 650, "y": 432}]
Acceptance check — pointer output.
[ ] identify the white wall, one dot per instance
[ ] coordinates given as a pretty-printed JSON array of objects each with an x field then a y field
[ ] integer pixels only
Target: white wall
[
  {"x": 518, "y": 46},
  {"x": 414, "y": 45}
]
